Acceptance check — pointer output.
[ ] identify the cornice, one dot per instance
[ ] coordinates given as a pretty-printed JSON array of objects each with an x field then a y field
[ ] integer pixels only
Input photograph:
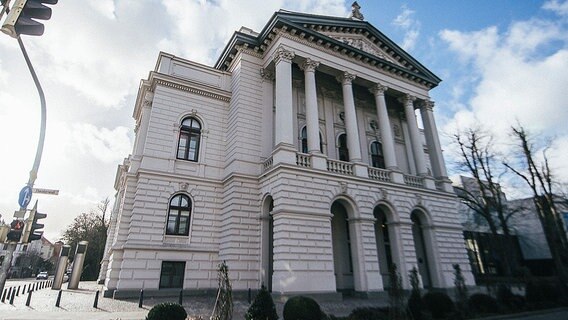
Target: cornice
[{"x": 187, "y": 86}]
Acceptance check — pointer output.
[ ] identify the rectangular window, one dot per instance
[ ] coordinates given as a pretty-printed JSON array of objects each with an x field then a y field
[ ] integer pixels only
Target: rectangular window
[{"x": 172, "y": 274}]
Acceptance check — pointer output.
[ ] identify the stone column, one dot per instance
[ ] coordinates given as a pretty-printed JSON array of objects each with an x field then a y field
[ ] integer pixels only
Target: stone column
[
  {"x": 350, "y": 117},
  {"x": 142, "y": 125},
  {"x": 284, "y": 115},
  {"x": 386, "y": 133},
  {"x": 434, "y": 147},
  {"x": 284, "y": 151},
  {"x": 312, "y": 117},
  {"x": 415, "y": 141}
]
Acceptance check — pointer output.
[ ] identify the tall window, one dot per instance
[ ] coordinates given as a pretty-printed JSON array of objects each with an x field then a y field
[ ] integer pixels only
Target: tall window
[
  {"x": 172, "y": 274},
  {"x": 189, "y": 136},
  {"x": 304, "y": 139},
  {"x": 342, "y": 146},
  {"x": 179, "y": 215},
  {"x": 377, "y": 158}
]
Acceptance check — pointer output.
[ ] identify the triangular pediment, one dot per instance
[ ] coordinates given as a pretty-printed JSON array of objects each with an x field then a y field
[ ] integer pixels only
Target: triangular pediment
[
  {"x": 362, "y": 43},
  {"x": 357, "y": 39}
]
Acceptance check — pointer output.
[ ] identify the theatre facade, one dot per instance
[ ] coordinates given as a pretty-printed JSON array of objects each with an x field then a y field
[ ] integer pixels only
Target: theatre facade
[{"x": 307, "y": 158}]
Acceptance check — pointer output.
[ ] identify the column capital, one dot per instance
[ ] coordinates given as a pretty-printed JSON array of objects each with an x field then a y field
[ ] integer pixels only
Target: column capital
[
  {"x": 309, "y": 65},
  {"x": 407, "y": 99},
  {"x": 427, "y": 105},
  {"x": 346, "y": 78},
  {"x": 283, "y": 54},
  {"x": 378, "y": 89},
  {"x": 267, "y": 74}
]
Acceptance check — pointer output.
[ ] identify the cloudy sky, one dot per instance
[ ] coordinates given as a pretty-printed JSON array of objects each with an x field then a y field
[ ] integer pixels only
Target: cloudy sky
[{"x": 501, "y": 61}]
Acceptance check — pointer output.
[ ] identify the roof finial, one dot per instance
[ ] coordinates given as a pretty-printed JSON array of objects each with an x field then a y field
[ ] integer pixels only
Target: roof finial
[{"x": 355, "y": 13}]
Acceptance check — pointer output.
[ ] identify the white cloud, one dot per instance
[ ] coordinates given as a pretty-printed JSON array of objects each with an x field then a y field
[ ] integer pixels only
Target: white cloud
[
  {"x": 104, "y": 7},
  {"x": 560, "y": 8},
  {"x": 406, "y": 21},
  {"x": 191, "y": 18},
  {"x": 108, "y": 146},
  {"x": 521, "y": 78}
]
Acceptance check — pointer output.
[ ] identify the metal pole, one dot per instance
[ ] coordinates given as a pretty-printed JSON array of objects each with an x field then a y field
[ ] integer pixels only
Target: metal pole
[
  {"x": 33, "y": 173},
  {"x": 96, "y": 303},
  {"x": 141, "y": 298},
  {"x": 58, "y": 298},
  {"x": 29, "y": 299}
]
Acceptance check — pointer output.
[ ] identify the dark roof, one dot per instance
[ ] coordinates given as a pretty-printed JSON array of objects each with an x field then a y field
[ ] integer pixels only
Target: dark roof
[{"x": 308, "y": 26}]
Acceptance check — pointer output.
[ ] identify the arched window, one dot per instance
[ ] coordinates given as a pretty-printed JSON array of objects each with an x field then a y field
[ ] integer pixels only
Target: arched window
[
  {"x": 179, "y": 215},
  {"x": 189, "y": 137},
  {"x": 342, "y": 147},
  {"x": 304, "y": 140},
  {"x": 377, "y": 158}
]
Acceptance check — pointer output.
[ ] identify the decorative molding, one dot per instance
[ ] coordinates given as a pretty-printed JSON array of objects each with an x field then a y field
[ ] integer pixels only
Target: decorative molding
[
  {"x": 407, "y": 99},
  {"x": 148, "y": 99},
  {"x": 346, "y": 78},
  {"x": 193, "y": 90},
  {"x": 283, "y": 54},
  {"x": 427, "y": 105},
  {"x": 366, "y": 63},
  {"x": 267, "y": 74},
  {"x": 378, "y": 89},
  {"x": 309, "y": 65},
  {"x": 343, "y": 187},
  {"x": 183, "y": 186}
]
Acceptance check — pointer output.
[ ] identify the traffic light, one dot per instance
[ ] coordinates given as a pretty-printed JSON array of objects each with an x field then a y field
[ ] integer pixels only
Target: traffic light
[
  {"x": 16, "y": 229},
  {"x": 32, "y": 226},
  {"x": 20, "y": 19}
]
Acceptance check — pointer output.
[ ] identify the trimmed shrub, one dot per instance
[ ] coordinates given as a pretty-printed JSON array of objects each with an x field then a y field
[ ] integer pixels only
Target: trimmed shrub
[
  {"x": 262, "y": 308},
  {"x": 542, "y": 294},
  {"x": 481, "y": 303},
  {"x": 414, "y": 304},
  {"x": 509, "y": 300},
  {"x": 369, "y": 313},
  {"x": 302, "y": 308},
  {"x": 167, "y": 311},
  {"x": 438, "y": 304}
]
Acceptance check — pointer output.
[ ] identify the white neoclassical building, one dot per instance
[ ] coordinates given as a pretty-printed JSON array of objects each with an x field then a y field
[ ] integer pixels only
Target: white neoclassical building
[{"x": 298, "y": 158}]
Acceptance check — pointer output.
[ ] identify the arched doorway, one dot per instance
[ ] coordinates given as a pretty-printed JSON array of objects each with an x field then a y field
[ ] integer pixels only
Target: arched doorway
[
  {"x": 267, "y": 268},
  {"x": 341, "y": 241},
  {"x": 384, "y": 244},
  {"x": 420, "y": 245}
]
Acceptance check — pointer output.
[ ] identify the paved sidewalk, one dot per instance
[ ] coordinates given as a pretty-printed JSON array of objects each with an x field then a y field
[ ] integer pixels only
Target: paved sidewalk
[{"x": 78, "y": 305}]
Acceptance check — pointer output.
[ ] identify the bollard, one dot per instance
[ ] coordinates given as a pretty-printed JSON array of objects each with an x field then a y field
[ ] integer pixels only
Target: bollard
[
  {"x": 29, "y": 299},
  {"x": 12, "y": 297},
  {"x": 24, "y": 289},
  {"x": 181, "y": 297},
  {"x": 18, "y": 292},
  {"x": 4, "y": 294},
  {"x": 58, "y": 298},
  {"x": 141, "y": 298},
  {"x": 9, "y": 293},
  {"x": 249, "y": 296},
  {"x": 96, "y": 303}
]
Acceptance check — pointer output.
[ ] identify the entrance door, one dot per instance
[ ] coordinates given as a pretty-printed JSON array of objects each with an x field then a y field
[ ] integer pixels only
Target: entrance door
[
  {"x": 342, "y": 259},
  {"x": 420, "y": 247}
]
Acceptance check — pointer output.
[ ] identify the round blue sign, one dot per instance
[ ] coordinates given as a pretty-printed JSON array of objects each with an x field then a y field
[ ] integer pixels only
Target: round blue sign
[{"x": 25, "y": 196}]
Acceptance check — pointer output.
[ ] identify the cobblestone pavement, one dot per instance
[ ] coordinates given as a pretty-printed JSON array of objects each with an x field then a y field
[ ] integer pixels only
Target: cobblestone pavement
[{"x": 78, "y": 305}]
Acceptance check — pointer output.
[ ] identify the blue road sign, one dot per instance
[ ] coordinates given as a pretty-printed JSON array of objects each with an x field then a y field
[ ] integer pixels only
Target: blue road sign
[{"x": 25, "y": 196}]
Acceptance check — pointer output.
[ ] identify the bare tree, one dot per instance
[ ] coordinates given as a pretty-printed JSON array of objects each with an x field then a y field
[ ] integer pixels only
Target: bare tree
[
  {"x": 541, "y": 180},
  {"x": 485, "y": 197}
]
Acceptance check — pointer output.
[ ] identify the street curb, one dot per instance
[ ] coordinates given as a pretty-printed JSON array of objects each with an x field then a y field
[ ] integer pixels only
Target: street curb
[{"x": 524, "y": 314}]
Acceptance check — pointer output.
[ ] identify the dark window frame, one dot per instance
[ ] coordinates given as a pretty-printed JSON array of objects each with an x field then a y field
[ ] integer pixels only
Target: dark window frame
[
  {"x": 179, "y": 212},
  {"x": 190, "y": 131},
  {"x": 342, "y": 148},
  {"x": 377, "y": 156},
  {"x": 169, "y": 277}
]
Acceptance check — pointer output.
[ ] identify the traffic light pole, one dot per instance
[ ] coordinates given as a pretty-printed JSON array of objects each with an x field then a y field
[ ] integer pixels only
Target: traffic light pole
[{"x": 33, "y": 173}]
